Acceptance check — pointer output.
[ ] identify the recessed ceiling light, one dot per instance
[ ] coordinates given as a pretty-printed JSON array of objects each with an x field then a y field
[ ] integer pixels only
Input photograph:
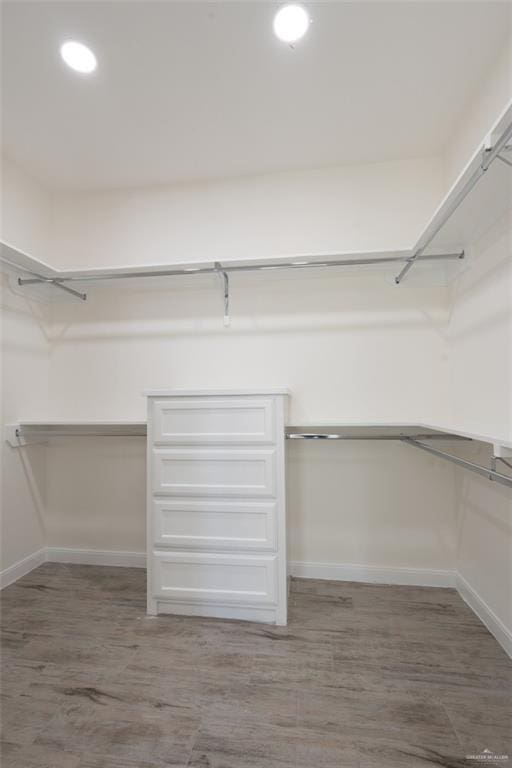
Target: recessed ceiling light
[
  {"x": 291, "y": 22},
  {"x": 78, "y": 56}
]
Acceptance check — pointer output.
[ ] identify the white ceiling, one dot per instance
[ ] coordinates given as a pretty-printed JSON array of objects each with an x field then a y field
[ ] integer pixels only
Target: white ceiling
[{"x": 188, "y": 90}]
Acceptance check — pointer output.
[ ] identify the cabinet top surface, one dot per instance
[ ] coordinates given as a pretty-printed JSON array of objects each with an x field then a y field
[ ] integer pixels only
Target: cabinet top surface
[{"x": 215, "y": 392}]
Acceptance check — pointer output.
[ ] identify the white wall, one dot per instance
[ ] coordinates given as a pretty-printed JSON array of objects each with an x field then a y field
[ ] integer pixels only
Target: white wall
[
  {"x": 479, "y": 336},
  {"x": 349, "y": 348},
  {"x": 485, "y": 107},
  {"x": 25, "y": 356},
  {"x": 360, "y": 208},
  {"x": 25, "y": 211},
  {"x": 24, "y": 365}
]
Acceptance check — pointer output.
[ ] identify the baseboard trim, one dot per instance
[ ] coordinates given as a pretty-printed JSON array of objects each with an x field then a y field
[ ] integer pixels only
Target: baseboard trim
[
  {"x": 486, "y": 615},
  {"x": 22, "y": 567},
  {"x": 419, "y": 577},
  {"x": 96, "y": 557}
]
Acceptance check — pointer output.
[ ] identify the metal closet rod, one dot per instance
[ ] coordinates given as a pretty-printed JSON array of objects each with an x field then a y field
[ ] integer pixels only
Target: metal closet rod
[
  {"x": 488, "y": 157},
  {"x": 24, "y": 431},
  {"x": 219, "y": 268},
  {"x": 490, "y": 474},
  {"x": 338, "y": 436}
]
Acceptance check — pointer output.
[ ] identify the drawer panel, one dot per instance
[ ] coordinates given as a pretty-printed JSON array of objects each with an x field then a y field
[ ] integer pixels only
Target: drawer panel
[
  {"x": 214, "y": 472},
  {"x": 215, "y": 578},
  {"x": 211, "y": 421},
  {"x": 208, "y": 524}
]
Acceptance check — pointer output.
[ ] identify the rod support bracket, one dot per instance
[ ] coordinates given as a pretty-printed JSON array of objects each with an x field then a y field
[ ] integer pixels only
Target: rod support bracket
[
  {"x": 57, "y": 282},
  {"x": 225, "y": 278}
]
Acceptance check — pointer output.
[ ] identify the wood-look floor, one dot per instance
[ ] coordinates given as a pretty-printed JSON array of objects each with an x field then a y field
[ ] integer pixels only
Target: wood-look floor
[{"x": 363, "y": 677}]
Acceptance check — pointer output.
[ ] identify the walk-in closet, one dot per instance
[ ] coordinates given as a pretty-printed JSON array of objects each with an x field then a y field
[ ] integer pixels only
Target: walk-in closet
[{"x": 256, "y": 384}]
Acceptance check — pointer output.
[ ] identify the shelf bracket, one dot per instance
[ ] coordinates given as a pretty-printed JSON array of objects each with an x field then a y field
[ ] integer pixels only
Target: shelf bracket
[
  {"x": 14, "y": 437},
  {"x": 225, "y": 278},
  {"x": 58, "y": 283},
  {"x": 488, "y": 155}
]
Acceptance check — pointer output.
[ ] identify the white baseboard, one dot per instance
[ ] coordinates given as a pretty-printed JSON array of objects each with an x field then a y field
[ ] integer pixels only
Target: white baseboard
[
  {"x": 96, "y": 557},
  {"x": 22, "y": 567},
  {"x": 419, "y": 577},
  {"x": 486, "y": 615}
]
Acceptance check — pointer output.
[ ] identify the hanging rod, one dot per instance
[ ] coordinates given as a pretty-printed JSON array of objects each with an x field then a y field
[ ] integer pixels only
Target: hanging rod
[
  {"x": 218, "y": 267},
  {"x": 487, "y": 157},
  {"x": 490, "y": 474},
  {"x": 22, "y": 432},
  {"x": 338, "y": 436}
]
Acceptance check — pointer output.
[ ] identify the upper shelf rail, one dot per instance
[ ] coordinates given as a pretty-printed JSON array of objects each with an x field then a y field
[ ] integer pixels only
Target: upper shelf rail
[{"x": 224, "y": 270}]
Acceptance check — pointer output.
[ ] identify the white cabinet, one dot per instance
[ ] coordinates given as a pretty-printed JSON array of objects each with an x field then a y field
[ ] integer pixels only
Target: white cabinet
[
  {"x": 216, "y": 534},
  {"x": 214, "y": 471}
]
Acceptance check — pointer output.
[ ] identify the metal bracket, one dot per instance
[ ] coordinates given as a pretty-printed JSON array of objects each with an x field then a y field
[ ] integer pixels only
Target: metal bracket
[
  {"x": 58, "y": 283},
  {"x": 13, "y": 436},
  {"x": 225, "y": 277},
  {"x": 489, "y": 153},
  {"x": 417, "y": 256}
]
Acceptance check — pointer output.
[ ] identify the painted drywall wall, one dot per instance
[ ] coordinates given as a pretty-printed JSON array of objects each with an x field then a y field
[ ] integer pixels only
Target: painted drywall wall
[
  {"x": 483, "y": 110},
  {"x": 479, "y": 336},
  {"x": 24, "y": 365},
  {"x": 349, "y": 347},
  {"x": 25, "y": 211},
  {"x": 344, "y": 343},
  {"x": 334, "y": 210},
  {"x": 24, "y": 390},
  {"x": 484, "y": 546}
]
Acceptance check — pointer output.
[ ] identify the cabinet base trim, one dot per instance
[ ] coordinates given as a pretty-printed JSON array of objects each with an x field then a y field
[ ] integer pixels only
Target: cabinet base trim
[{"x": 265, "y": 615}]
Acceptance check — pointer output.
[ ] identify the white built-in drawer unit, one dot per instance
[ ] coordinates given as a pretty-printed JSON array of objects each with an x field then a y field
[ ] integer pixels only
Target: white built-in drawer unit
[
  {"x": 214, "y": 420},
  {"x": 216, "y": 532}
]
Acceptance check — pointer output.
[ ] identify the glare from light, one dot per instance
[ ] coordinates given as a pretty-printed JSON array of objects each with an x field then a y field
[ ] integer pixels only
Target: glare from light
[
  {"x": 291, "y": 22},
  {"x": 79, "y": 57}
]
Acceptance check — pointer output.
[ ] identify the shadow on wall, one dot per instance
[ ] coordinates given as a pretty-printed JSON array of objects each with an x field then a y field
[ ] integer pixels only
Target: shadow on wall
[{"x": 260, "y": 304}]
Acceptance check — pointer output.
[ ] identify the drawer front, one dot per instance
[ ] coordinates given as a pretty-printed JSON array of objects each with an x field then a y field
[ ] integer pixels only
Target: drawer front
[
  {"x": 214, "y": 421},
  {"x": 206, "y": 524},
  {"x": 214, "y": 472},
  {"x": 215, "y": 578}
]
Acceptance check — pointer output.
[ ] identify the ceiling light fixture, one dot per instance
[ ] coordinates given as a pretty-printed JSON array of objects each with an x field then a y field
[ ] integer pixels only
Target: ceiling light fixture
[
  {"x": 78, "y": 56},
  {"x": 291, "y": 22}
]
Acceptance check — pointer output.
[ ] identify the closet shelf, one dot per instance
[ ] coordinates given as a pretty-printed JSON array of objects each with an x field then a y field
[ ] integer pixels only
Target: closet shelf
[
  {"x": 40, "y": 431},
  {"x": 477, "y": 200},
  {"x": 28, "y": 433},
  {"x": 468, "y": 210},
  {"x": 420, "y": 436},
  {"x": 348, "y": 430}
]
